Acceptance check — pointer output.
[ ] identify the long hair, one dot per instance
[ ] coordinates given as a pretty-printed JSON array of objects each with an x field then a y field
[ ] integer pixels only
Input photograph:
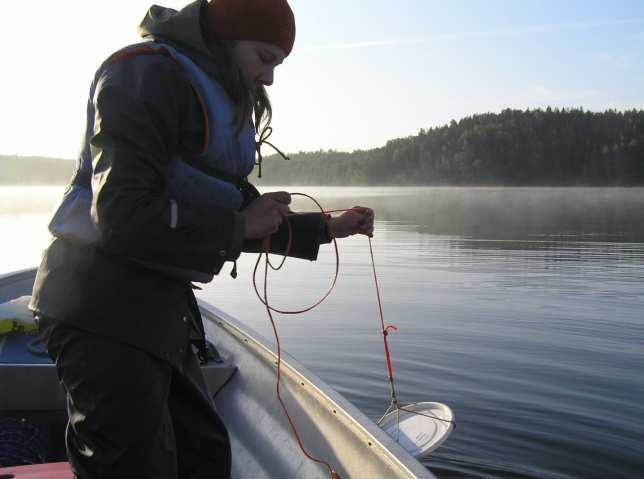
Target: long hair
[{"x": 250, "y": 102}]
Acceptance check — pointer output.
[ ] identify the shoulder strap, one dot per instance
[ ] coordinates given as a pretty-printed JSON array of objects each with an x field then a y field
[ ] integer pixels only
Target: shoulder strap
[{"x": 150, "y": 48}]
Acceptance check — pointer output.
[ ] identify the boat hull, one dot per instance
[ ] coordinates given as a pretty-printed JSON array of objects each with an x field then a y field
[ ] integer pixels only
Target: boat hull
[{"x": 243, "y": 386}]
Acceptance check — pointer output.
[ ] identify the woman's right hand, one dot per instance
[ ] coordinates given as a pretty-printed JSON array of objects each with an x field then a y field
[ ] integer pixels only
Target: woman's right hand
[{"x": 264, "y": 215}]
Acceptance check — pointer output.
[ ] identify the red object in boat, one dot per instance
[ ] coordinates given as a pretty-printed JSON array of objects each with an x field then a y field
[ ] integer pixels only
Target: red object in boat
[{"x": 54, "y": 470}]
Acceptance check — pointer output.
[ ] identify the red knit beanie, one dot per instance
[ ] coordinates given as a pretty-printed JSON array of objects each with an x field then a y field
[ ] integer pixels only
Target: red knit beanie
[{"x": 269, "y": 21}]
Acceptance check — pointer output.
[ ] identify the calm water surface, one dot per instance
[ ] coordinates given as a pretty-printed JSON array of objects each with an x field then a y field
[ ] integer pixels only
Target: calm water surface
[{"x": 522, "y": 309}]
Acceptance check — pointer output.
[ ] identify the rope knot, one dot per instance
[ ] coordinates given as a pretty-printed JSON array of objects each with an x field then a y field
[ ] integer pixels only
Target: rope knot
[
  {"x": 385, "y": 331},
  {"x": 263, "y": 138}
]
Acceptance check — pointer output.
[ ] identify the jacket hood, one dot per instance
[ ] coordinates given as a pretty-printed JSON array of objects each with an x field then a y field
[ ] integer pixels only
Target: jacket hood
[{"x": 183, "y": 26}]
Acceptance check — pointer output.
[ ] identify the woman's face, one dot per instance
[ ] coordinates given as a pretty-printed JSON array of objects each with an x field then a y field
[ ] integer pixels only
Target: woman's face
[{"x": 257, "y": 61}]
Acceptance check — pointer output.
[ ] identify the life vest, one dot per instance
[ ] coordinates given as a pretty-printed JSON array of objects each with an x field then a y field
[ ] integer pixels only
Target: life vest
[{"x": 219, "y": 169}]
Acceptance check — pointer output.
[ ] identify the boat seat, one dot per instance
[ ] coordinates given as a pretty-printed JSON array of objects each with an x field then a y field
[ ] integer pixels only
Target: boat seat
[
  {"x": 30, "y": 382},
  {"x": 217, "y": 374}
]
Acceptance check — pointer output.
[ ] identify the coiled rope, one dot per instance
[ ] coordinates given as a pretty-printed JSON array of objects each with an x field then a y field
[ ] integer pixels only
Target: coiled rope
[{"x": 270, "y": 309}]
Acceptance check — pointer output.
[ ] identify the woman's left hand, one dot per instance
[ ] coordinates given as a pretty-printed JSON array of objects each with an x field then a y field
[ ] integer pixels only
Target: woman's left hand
[{"x": 358, "y": 220}]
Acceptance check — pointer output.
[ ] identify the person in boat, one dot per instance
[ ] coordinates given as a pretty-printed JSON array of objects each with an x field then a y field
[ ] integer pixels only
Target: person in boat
[{"x": 160, "y": 199}]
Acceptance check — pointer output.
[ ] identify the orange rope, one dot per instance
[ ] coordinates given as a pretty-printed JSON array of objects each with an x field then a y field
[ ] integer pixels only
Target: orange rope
[
  {"x": 385, "y": 329},
  {"x": 270, "y": 309},
  {"x": 265, "y": 249},
  {"x": 332, "y": 472}
]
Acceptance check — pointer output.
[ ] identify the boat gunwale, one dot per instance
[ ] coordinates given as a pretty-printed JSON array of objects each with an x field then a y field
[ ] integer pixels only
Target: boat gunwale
[
  {"x": 6, "y": 279},
  {"x": 347, "y": 412}
]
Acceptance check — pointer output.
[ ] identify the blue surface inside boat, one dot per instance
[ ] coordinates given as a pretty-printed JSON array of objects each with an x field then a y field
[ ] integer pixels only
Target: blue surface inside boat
[{"x": 17, "y": 347}]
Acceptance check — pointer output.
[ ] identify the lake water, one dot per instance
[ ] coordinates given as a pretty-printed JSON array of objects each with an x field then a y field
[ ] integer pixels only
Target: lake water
[{"x": 520, "y": 308}]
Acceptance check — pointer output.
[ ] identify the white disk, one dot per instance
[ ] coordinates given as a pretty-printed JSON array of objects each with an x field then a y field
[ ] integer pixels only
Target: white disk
[{"x": 423, "y": 426}]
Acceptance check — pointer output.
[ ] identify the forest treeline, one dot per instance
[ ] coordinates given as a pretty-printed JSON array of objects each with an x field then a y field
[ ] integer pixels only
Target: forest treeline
[
  {"x": 34, "y": 170},
  {"x": 514, "y": 147},
  {"x": 548, "y": 147}
]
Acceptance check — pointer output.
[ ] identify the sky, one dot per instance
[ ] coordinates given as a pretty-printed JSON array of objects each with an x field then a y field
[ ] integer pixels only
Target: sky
[{"x": 362, "y": 72}]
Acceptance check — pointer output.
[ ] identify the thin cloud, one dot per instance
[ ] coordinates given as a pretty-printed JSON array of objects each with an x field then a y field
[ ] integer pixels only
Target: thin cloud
[
  {"x": 616, "y": 61},
  {"x": 346, "y": 46},
  {"x": 468, "y": 35}
]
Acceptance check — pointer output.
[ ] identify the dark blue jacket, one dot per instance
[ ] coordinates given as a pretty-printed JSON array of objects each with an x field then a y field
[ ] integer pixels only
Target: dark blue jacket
[{"x": 146, "y": 113}]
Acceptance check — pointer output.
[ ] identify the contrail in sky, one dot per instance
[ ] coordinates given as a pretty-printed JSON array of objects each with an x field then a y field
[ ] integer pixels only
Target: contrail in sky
[{"x": 466, "y": 35}]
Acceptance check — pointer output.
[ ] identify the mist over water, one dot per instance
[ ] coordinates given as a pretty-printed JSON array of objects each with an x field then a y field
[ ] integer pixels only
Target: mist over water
[
  {"x": 502, "y": 212},
  {"x": 24, "y": 215},
  {"x": 29, "y": 200},
  {"x": 520, "y": 308}
]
